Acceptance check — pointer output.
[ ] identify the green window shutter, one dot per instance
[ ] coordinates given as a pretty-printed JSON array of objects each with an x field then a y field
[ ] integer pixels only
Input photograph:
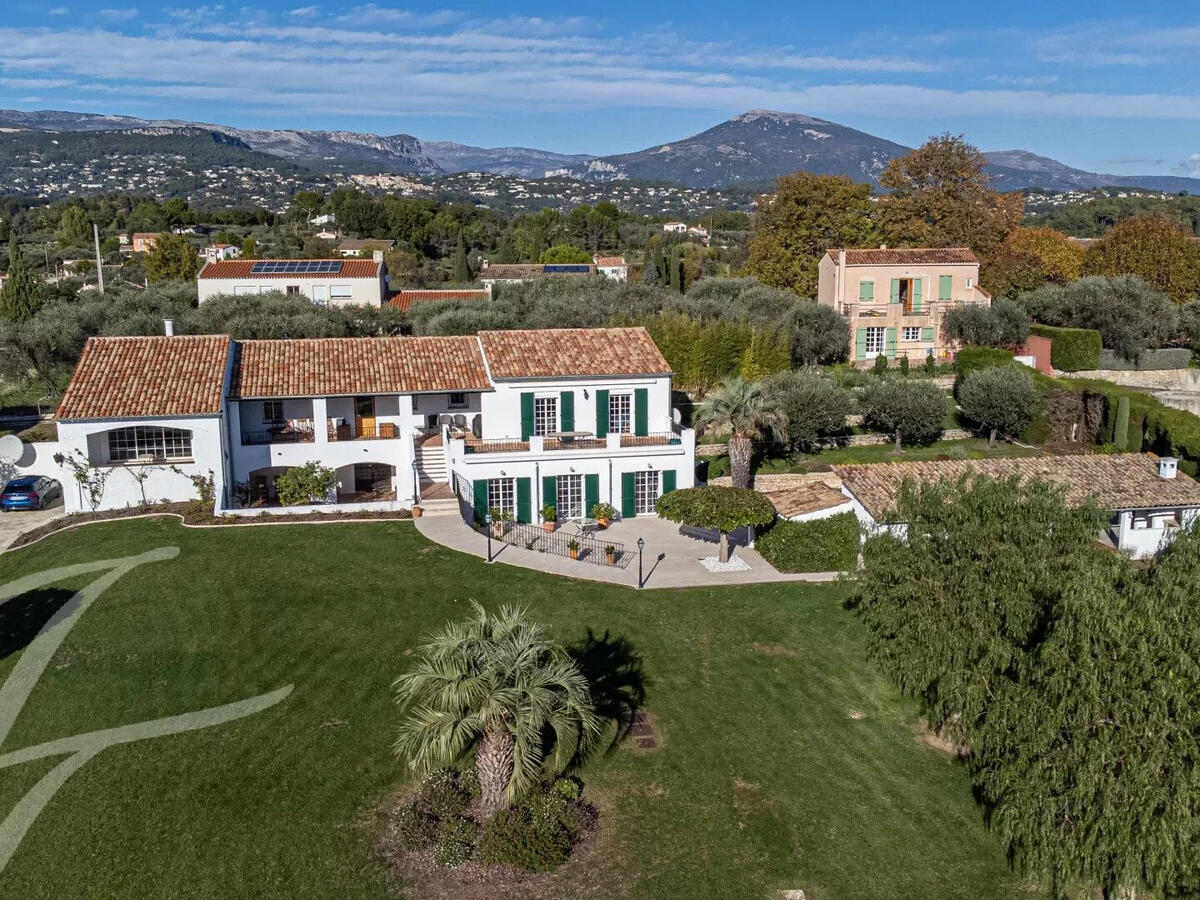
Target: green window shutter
[
  {"x": 480, "y": 490},
  {"x": 944, "y": 283},
  {"x": 591, "y": 493},
  {"x": 549, "y": 490},
  {"x": 641, "y": 400},
  {"x": 524, "y": 501},
  {"x": 866, "y": 290},
  {"x": 895, "y": 295},
  {"x": 628, "y": 484},
  {"x": 927, "y": 334},
  {"x": 916, "y": 297},
  {"x": 526, "y": 416},
  {"x": 566, "y": 410},
  {"x": 668, "y": 481},
  {"x": 601, "y": 413},
  {"x": 890, "y": 343},
  {"x": 860, "y": 344}
]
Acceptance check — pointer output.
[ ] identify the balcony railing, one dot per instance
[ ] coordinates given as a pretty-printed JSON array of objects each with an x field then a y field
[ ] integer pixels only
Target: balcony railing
[
  {"x": 302, "y": 431},
  {"x": 655, "y": 439},
  {"x": 574, "y": 443},
  {"x": 547, "y": 444},
  {"x": 277, "y": 436},
  {"x": 495, "y": 445}
]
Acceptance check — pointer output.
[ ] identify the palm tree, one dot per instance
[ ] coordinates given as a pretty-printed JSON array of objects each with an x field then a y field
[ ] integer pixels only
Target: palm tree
[
  {"x": 749, "y": 414},
  {"x": 498, "y": 685}
]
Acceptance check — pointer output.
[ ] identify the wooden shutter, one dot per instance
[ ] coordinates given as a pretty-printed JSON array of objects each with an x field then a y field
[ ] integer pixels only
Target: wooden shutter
[
  {"x": 526, "y": 416},
  {"x": 866, "y": 290},
  {"x": 641, "y": 421},
  {"x": 601, "y": 413},
  {"x": 591, "y": 493},
  {"x": 916, "y": 297},
  {"x": 628, "y": 488},
  {"x": 860, "y": 344},
  {"x": 668, "y": 481},
  {"x": 524, "y": 500},
  {"x": 927, "y": 334},
  {"x": 566, "y": 411},
  {"x": 480, "y": 491},
  {"x": 944, "y": 286},
  {"x": 889, "y": 345},
  {"x": 895, "y": 295},
  {"x": 549, "y": 490}
]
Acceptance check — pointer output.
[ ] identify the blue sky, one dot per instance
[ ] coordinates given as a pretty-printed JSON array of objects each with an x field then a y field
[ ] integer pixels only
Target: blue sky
[{"x": 1117, "y": 91}]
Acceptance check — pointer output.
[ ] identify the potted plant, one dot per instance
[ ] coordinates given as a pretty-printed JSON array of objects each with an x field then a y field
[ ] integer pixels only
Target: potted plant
[
  {"x": 603, "y": 514},
  {"x": 417, "y": 511},
  {"x": 573, "y": 548},
  {"x": 549, "y": 517},
  {"x": 498, "y": 517},
  {"x": 610, "y": 553}
]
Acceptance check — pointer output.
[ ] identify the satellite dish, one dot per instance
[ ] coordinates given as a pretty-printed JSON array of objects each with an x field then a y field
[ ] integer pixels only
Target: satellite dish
[
  {"x": 11, "y": 448},
  {"x": 676, "y": 417}
]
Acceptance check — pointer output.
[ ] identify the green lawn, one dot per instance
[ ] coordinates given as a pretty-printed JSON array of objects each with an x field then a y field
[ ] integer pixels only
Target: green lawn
[{"x": 786, "y": 760}]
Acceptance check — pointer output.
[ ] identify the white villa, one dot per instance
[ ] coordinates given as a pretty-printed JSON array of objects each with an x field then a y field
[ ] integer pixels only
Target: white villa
[
  {"x": 508, "y": 420},
  {"x": 336, "y": 282}
]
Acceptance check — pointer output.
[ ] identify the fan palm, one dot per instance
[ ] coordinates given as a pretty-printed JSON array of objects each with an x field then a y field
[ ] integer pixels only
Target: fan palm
[
  {"x": 498, "y": 685},
  {"x": 749, "y": 414}
]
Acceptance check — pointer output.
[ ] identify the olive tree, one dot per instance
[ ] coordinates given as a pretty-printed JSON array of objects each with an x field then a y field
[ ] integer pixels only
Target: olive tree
[
  {"x": 713, "y": 506},
  {"x": 815, "y": 406},
  {"x": 908, "y": 410},
  {"x": 1002, "y": 399}
]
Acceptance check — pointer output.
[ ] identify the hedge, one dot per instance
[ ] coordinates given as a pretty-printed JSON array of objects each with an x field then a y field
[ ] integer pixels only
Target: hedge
[
  {"x": 821, "y": 545},
  {"x": 1071, "y": 349},
  {"x": 1164, "y": 358}
]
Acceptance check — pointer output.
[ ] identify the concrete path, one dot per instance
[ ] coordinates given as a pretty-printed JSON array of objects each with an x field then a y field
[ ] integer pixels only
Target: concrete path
[
  {"x": 14, "y": 524},
  {"x": 671, "y": 559}
]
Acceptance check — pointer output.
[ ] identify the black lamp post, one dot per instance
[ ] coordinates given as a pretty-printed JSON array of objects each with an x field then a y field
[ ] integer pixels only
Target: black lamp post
[
  {"x": 487, "y": 527},
  {"x": 641, "y": 546}
]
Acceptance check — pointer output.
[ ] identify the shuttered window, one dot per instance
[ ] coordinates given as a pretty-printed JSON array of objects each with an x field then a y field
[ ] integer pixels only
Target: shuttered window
[{"x": 944, "y": 285}]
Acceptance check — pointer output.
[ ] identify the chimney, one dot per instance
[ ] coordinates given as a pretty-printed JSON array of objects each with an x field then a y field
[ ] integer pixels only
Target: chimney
[
  {"x": 883, "y": 246},
  {"x": 169, "y": 327},
  {"x": 377, "y": 255},
  {"x": 1168, "y": 467}
]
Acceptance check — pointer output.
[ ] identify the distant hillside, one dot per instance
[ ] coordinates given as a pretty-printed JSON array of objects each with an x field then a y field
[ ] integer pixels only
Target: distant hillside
[
  {"x": 1020, "y": 169},
  {"x": 523, "y": 162}
]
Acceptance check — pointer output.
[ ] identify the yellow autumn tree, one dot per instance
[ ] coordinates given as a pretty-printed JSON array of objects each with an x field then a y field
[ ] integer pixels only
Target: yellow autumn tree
[
  {"x": 1166, "y": 256},
  {"x": 1060, "y": 258}
]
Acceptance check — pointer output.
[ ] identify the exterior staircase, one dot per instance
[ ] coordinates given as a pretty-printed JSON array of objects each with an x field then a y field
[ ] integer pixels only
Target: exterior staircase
[{"x": 431, "y": 462}]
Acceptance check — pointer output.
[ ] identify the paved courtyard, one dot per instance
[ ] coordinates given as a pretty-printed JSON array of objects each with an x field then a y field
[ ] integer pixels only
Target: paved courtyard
[
  {"x": 13, "y": 524},
  {"x": 670, "y": 559}
]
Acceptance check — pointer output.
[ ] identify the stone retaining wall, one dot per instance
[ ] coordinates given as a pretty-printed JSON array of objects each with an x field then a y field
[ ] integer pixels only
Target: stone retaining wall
[{"x": 873, "y": 439}]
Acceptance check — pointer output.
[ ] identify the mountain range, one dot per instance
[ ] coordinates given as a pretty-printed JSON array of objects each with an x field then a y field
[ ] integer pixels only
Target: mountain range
[{"x": 748, "y": 151}]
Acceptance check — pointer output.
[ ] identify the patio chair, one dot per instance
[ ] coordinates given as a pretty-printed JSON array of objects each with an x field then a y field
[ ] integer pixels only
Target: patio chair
[
  {"x": 460, "y": 421},
  {"x": 445, "y": 419}
]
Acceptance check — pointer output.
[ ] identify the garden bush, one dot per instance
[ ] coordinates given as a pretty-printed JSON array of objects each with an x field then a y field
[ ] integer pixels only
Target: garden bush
[
  {"x": 443, "y": 794},
  {"x": 513, "y": 837},
  {"x": 1072, "y": 349},
  {"x": 971, "y": 359},
  {"x": 823, "y": 545},
  {"x": 455, "y": 841},
  {"x": 1163, "y": 358},
  {"x": 418, "y": 828}
]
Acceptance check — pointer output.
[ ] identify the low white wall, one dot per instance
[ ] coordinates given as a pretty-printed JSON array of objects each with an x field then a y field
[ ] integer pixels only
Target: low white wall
[
  {"x": 330, "y": 509},
  {"x": 36, "y": 459}
]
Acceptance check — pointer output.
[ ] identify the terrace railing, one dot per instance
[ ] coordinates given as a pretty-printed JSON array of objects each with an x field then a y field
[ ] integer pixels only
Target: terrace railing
[{"x": 590, "y": 549}]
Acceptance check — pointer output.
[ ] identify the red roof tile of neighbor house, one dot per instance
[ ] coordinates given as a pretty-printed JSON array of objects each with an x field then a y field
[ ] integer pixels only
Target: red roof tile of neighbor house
[
  {"x": 406, "y": 298},
  {"x": 331, "y": 367},
  {"x": 142, "y": 377},
  {"x": 610, "y": 261},
  {"x": 908, "y": 256},
  {"x": 1118, "y": 481},
  {"x": 240, "y": 268},
  {"x": 566, "y": 352}
]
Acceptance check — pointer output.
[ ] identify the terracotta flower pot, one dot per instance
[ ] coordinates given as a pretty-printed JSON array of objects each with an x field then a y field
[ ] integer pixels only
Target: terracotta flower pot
[
  {"x": 603, "y": 523},
  {"x": 417, "y": 512},
  {"x": 574, "y": 554},
  {"x": 549, "y": 527}
]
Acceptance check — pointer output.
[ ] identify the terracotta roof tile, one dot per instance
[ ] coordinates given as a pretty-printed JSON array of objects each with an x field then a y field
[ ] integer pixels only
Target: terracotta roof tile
[
  {"x": 805, "y": 498},
  {"x": 406, "y": 298},
  {"x": 331, "y": 367},
  {"x": 610, "y": 261},
  {"x": 908, "y": 256},
  {"x": 142, "y": 377},
  {"x": 1119, "y": 481},
  {"x": 240, "y": 268},
  {"x": 566, "y": 352},
  {"x": 533, "y": 270}
]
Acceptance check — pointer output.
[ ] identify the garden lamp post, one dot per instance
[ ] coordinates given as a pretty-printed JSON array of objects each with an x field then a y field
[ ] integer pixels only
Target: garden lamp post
[
  {"x": 641, "y": 546},
  {"x": 487, "y": 527}
]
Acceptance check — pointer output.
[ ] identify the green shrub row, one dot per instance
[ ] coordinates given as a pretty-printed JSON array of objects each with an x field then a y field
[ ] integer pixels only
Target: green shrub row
[
  {"x": 822, "y": 545},
  {"x": 1163, "y": 358},
  {"x": 1071, "y": 349}
]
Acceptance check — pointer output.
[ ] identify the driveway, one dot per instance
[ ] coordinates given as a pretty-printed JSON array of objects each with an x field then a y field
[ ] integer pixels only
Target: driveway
[{"x": 15, "y": 523}]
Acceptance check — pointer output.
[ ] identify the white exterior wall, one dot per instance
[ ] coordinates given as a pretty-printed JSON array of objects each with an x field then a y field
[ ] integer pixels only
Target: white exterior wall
[
  {"x": 120, "y": 490},
  {"x": 36, "y": 459},
  {"x": 425, "y": 405},
  {"x": 502, "y": 408},
  {"x": 1152, "y": 534},
  {"x": 363, "y": 291},
  {"x": 615, "y": 273}
]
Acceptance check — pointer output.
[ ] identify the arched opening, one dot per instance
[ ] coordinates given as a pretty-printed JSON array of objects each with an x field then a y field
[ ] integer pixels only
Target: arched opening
[
  {"x": 366, "y": 482},
  {"x": 140, "y": 444}
]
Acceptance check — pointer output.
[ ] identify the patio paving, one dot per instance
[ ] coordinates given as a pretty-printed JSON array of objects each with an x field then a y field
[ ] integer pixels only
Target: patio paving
[{"x": 670, "y": 559}]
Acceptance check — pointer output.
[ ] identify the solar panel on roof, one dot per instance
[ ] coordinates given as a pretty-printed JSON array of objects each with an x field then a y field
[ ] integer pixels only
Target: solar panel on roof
[
  {"x": 296, "y": 267},
  {"x": 567, "y": 267}
]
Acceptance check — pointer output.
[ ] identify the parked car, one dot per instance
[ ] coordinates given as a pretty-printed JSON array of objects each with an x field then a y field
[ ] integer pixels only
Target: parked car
[{"x": 29, "y": 492}]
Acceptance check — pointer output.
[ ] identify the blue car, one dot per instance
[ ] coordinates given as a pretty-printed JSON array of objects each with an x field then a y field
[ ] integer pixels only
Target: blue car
[{"x": 29, "y": 492}]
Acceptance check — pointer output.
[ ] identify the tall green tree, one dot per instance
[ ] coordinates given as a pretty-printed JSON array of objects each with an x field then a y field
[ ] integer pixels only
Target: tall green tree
[
  {"x": 74, "y": 229},
  {"x": 749, "y": 414},
  {"x": 815, "y": 406},
  {"x": 462, "y": 269},
  {"x": 172, "y": 258},
  {"x": 807, "y": 215},
  {"x": 21, "y": 296},
  {"x": 1160, "y": 252},
  {"x": 565, "y": 253},
  {"x": 496, "y": 686}
]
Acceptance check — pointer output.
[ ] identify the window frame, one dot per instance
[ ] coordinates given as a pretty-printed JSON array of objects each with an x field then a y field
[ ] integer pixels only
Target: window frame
[
  {"x": 274, "y": 403},
  {"x": 910, "y": 333},
  {"x": 569, "y": 497},
  {"x": 459, "y": 403},
  {"x": 647, "y": 488},
  {"x": 545, "y": 414},
  {"x": 625, "y": 398},
  {"x": 158, "y": 442},
  {"x": 502, "y": 495},
  {"x": 878, "y": 331}
]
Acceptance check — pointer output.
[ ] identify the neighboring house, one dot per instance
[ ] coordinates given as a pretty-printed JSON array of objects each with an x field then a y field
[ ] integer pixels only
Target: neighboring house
[
  {"x": 895, "y": 299},
  {"x": 334, "y": 282},
  {"x": 218, "y": 252},
  {"x": 506, "y": 420},
  {"x": 143, "y": 241},
  {"x": 406, "y": 297},
  {"x": 700, "y": 233},
  {"x": 675, "y": 227},
  {"x": 807, "y": 502},
  {"x": 613, "y": 267},
  {"x": 514, "y": 273},
  {"x": 356, "y": 247},
  {"x": 328, "y": 234},
  {"x": 1148, "y": 500},
  {"x": 326, "y": 219}
]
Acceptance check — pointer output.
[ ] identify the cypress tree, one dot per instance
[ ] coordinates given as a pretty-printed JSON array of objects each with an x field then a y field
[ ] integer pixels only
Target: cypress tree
[
  {"x": 1121, "y": 432},
  {"x": 21, "y": 298},
  {"x": 462, "y": 269}
]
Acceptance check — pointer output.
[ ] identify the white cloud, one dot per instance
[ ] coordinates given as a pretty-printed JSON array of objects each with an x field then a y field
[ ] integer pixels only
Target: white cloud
[
  {"x": 1190, "y": 166},
  {"x": 124, "y": 12},
  {"x": 305, "y": 12},
  {"x": 57, "y": 11}
]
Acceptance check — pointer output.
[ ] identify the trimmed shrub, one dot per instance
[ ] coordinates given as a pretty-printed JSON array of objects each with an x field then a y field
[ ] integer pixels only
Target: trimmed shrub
[
  {"x": 822, "y": 545},
  {"x": 1163, "y": 358},
  {"x": 1121, "y": 425},
  {"x": 881, "y": 364},
  {"x": 512, "y": 837},
  {"x": 417, "y": 827},
  {"x": 1071, "y": 349},
  {"x": 455, "y": 842}
]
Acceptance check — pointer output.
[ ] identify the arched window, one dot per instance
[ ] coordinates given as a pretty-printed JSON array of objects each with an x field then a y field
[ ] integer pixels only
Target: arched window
[{"x": 149, "y": 442}]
